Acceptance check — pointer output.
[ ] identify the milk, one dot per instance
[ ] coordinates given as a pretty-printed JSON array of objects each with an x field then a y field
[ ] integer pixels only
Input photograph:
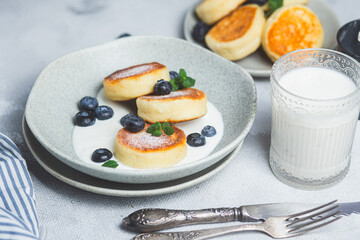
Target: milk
[{"x": 311, "y": 142}]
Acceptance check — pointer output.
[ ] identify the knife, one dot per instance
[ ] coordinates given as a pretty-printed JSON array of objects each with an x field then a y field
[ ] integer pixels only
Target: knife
[{"x": 152, "y": 219}]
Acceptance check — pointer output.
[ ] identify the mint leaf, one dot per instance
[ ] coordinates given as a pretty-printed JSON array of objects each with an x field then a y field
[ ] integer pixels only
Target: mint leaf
[
  {"x": 182, "y": 74},
  {"x": 154, "y": 129},
  {"x": 175, "y": 87},
  {"x": 110, "y": 164},
  {"x": 168, "y": 129},
  {"x": 190, "y": 82},
  {"x": 273, "y": 5},
  {"x": 156, "y": 133}
]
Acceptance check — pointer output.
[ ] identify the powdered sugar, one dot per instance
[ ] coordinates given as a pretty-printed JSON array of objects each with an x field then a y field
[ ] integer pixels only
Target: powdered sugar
[
  {"x": 145, "y": 141},
  {"x": 135, "y": 70},
  {"x": 190, "y": 92}
]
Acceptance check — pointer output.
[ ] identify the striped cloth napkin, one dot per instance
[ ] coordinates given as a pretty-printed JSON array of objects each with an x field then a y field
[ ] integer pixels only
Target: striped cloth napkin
[{"x": 18, "y": 218}]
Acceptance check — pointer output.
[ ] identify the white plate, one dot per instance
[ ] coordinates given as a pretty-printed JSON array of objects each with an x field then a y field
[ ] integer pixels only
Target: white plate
[
  {"x": 258, "y": 64},
  {"x": 92, "y": 184},
  {"x": 52, "y": 103}
]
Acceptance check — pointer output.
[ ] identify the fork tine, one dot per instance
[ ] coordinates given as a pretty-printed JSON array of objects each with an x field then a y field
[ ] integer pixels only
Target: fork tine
[
  {"x": 331, "y": 214},
  {"x": 327, "y": 210},
  {"x": 310, "y": 210},
  {"x": 315, "y": 227}
]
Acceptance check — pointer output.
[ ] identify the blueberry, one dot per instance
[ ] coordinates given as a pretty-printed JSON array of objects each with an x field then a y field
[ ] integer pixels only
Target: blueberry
[
  {"x": 199, "y": 32},
  {"x": 195, "y": 140},
  {"x": 101, "y": 155},
  {"x": 173, "y": 74},
  {"x": 258, "y": 2},
  {"x": 84, "y": 119},
  {"x": 88, "y": 103},
  {"x": 103, "y": 112},
  {"x": 124, "y": 35},
  {"x": 162, "y": 87},
  {"x": 135, "y": 124},
  {"x": 208, "y": 131},
  {"x": 126, "y": 118}
]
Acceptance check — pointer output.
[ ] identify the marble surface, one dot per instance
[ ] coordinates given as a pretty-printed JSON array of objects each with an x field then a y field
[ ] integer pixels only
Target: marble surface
[{"x": 34, "y": 33}]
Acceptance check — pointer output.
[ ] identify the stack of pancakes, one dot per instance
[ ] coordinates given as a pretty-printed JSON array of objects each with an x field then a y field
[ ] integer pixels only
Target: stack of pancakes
[
  {"x": 239, "y": 30},
  {"x": 141, "y": 149}
]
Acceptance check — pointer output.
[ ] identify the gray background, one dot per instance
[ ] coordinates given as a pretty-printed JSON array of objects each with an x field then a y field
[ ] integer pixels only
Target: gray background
[{"x": 34, "y": 33}]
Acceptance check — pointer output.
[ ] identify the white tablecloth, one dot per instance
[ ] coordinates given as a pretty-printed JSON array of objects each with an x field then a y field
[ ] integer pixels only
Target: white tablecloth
[{"x": 34, "y": 33}]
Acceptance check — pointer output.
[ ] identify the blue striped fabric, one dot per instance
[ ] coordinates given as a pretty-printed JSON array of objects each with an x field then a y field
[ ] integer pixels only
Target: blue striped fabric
[{"x": 18, "y": 218}]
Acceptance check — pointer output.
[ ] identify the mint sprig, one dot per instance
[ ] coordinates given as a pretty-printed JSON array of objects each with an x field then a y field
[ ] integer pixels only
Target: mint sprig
[
  {"x": 181, "y": 82},
  {"x": 273, "y": 5},
  {"x": 155, "y": 129},
  {"x": 110, "y": 164}
]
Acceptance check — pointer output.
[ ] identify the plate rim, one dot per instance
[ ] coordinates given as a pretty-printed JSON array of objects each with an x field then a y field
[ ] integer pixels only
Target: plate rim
[
  {"x": 103, "y": 173},
  {"x": 118, "y": 192},
  {"x": 252, "y": 72}
]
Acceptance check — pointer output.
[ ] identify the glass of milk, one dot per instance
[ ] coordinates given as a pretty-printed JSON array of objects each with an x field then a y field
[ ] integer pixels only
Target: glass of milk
[{"x": 315, "y": 96}]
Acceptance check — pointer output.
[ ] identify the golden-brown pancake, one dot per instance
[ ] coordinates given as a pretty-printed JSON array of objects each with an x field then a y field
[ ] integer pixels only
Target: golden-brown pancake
[
  {"x": 211, "y": 11},
  {"x": 141, "y": 150},
  {"x": 291, "y": 28},
  {"x": 238, "y": 34},
  {"x": 178, "y": 106},
  {"x": 135, "y": 81}
]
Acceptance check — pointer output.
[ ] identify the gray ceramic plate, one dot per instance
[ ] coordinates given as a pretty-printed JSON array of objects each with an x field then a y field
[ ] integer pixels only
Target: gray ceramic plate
[
  {"x": 52, "y": 103},
  {"x": 258, "y": 64},
  {"x": 92, "y": 184}
]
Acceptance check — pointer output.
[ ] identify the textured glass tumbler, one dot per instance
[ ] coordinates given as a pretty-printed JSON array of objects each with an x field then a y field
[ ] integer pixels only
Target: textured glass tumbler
[{"x": 311, "y": 140}]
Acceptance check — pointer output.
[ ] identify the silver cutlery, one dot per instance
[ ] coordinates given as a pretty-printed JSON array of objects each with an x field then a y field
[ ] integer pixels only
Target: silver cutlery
[
  {"x": 151, "y": 220},
  {"x": 276, "y": 227}
]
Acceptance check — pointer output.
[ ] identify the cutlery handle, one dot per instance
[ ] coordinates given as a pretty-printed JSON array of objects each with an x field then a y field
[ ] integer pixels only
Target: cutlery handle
[
  {"x": 199, "y": 234},
  {"x": 150, "y": 220}
]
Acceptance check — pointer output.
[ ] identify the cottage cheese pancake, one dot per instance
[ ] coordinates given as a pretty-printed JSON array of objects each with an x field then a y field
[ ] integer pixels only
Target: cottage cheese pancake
[
  {"x": 144, "y": 151},
  {"x": 239, "y": 34},
  {"x": 135, "y": 81},
  {"x": 178, "y": 106},
  {"x": 291, "y": 28},
  {"x": 211, "y": 11}
]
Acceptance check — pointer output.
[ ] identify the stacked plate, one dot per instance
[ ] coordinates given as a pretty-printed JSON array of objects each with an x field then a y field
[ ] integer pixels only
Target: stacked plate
[
  {"x": 258, "y": 64},
  {"x": 52, "y": 104}
]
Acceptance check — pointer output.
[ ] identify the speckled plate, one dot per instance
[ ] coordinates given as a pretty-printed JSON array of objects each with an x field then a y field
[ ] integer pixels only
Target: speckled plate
[
  {"x": 52, "y": 103},
  {"x": 89, "y": 183},
  {"x": 258, "y": 64}
]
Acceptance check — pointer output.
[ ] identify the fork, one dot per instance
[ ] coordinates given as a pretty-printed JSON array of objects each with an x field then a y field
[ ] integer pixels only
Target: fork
[{"x": 276, "y": 227}]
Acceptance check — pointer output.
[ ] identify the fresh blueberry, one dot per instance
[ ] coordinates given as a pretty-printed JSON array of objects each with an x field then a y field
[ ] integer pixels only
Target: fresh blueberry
[
  {"x": 258, "y": 2},
  {"x": 88, "y": 103},
  {"x": 208, "y": 131},
  {"x": 101, "y": 155},
  {"x": 135, "y": 124},
  {"x": 195, "y": 140},
  {"x": 124, "y": 35},
  {"x": 173, "y": 74},
  {"x": 104, "y": 112},
  {"x": 127, "y": 118},
  {"x": 199, "y": 32},
  {"x": 84, "y": 119},
  {"x": 162, "y": 87}
]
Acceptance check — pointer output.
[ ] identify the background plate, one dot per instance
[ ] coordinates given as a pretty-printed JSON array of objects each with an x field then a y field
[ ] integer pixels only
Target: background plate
[
  {"x": 258, "y": 64},
  {"x": 52, "y": 103},
  {"x": 92, "y": 184}
]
